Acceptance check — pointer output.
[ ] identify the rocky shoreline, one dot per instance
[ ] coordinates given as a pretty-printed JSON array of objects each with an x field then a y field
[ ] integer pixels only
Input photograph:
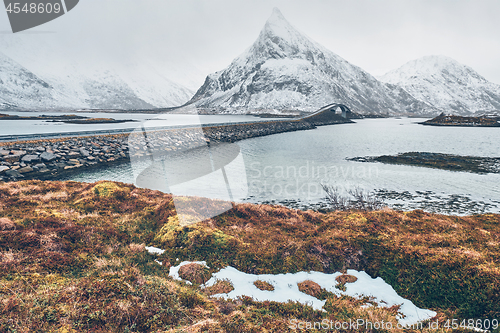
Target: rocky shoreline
[
  {"x": 474, "y": 164},
  {"x": 451, "y": 120}
]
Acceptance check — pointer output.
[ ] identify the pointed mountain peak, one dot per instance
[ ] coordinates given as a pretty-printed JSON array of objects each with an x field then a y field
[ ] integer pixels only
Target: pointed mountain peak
[
  {"x": 286, "y": 70},
  {"x": 276, "y": 16},
  {"x": 279, "y": 39},
  {"x": 278, "y": 26}
]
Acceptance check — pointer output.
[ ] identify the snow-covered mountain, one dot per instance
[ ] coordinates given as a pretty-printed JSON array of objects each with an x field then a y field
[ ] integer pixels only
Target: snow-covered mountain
[
  {"x": 446, "y": 84},
  {"x": 285, "y": 70},
  {"x": 18, "y": 85},
  {"x": 43, "y": 76}
]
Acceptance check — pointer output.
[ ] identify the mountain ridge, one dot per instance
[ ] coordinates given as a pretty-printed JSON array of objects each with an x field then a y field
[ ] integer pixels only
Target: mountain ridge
[
  {"x": 446, "y": 84},
  {"x": 285, "y": 70}
]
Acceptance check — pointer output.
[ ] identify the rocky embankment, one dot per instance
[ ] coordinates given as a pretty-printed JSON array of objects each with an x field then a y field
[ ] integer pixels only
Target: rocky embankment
[
  {"x": 48, "y": 159},
  {"x": 236, "y": 132}
]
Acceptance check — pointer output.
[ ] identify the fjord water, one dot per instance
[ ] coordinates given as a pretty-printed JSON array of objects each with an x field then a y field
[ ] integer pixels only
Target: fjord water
[
  {"x": 289, "y": 168},
  {"x": 40, "y": 127}
]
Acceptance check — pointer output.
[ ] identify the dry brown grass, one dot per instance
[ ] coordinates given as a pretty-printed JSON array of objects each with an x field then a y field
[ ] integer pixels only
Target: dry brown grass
[
  {"x": 346, "y": 278},
  {"x": 310, "y": 288},
  {"x": 194, "y": 273},
  {"x": 70, "y": 257},
  {"x": 59, "y": 196},
  {"x": 136, "y": 248},
  {"x": 7, "y": 224},
  {"x": 50, "y": 242},
  {"x": 10, "y": 257},
  {"x": 263, "y": 285},
  {"x": 220, "y": 287}
]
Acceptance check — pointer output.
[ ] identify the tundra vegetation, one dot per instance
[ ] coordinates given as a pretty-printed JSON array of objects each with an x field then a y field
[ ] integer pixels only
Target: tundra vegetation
[{"x": 72, "y": 259}]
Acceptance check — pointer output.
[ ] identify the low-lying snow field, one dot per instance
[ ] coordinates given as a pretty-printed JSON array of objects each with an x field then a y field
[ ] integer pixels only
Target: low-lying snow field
[{"x": 286, "y": 288}]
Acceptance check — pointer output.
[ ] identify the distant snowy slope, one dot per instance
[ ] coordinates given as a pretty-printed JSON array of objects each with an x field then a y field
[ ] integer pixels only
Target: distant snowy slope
[
  {"x": 20, "y": 87},
  {"x": 149, "y": 84},
  {"x": 67, "y": 79},
  {"x": 285, "y": 70},
  {"x": 446, "y": 84}
]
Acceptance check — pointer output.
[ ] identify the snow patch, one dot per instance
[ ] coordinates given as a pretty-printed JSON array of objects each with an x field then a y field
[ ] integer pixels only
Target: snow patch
[
  {"x": 154, "y": 250},
  {"x": 286, "y": 288}
]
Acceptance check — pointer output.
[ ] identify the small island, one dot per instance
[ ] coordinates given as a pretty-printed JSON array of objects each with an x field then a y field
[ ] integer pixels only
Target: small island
[
  {"x": 449, "y": 162},
  {"x": 451, "y": 120},
  {"x": 69, "y": 119},
  {"x": 86, "y": 120}
]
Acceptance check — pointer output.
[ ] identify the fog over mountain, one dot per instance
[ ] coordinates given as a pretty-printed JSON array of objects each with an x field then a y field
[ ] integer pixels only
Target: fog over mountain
[{"x": 45, "y": 75}]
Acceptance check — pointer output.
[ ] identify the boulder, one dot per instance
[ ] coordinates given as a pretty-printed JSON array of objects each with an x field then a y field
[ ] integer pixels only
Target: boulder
[
  {"x": 26, "y": 169},
  {"x": 18, "y": 152},
  {"x": 30, "y": 158},
  {"x": 13, "y": 174},
  {"x": 12, "y": 158},
  {"x": 3, "y": 168},
  {"x": 46, "y": 156},
  {"x": 84, "y": 152},
  {"x": 39, "y": 166}
]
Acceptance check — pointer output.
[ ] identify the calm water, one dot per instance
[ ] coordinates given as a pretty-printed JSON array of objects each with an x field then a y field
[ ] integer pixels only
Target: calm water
[
  {"x": 19, "y": 127},
  {"x": 288, "y": 168}
]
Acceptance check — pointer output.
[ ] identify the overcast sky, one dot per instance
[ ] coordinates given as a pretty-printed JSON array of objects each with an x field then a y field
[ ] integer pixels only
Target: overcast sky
[{"x": 207, "y": 34}]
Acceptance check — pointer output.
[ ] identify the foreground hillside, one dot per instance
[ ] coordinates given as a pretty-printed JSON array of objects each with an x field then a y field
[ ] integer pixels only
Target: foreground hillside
[{"x": 73, "y": 259}]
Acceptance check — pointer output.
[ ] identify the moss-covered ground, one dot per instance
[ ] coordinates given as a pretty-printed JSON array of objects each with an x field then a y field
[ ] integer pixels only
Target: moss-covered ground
[{"x": 72, "y": 259}]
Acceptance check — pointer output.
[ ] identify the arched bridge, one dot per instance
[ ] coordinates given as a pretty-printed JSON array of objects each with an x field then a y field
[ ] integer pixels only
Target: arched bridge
[
  {"x": 333, "y": 108},
  {"x": 328, "y": 115}
]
